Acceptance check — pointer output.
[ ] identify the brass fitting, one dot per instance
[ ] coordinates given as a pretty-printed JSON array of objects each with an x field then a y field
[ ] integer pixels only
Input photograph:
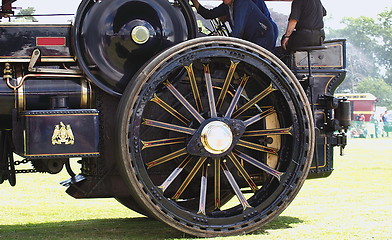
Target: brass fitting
[{"x": 7, "y": 72}]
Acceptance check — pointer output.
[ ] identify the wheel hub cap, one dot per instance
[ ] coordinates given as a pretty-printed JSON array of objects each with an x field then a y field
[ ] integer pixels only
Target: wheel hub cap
[
  {"x": 216, "y": 137},
  {"x": 140, "y": 34}
]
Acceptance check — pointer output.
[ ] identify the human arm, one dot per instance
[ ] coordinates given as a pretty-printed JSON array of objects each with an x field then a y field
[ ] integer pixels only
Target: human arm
[
  {"x": 216, "y": 12},
  {"x": 296, "y": 12},
  {"x": 290, "y": 29}
]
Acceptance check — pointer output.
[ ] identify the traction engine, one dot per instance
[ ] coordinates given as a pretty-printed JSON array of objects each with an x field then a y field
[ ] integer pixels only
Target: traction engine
[{"x": 212, "y": 135}]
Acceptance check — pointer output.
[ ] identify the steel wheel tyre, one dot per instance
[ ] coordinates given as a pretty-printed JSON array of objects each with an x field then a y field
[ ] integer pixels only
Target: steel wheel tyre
[{"x": 209, "y": 120}]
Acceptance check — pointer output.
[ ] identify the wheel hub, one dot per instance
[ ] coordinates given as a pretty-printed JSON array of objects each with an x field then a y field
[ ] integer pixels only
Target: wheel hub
[
  {"x": 216, "y": 137},
  {"x": 140, "y": 34}
]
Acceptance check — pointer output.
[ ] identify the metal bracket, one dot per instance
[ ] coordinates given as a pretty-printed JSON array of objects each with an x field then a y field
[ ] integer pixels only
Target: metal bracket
[
  {"x": 34, "y": 59},
  {"x": 73, "y": 180},
  {"x": 340, "y": 140}
]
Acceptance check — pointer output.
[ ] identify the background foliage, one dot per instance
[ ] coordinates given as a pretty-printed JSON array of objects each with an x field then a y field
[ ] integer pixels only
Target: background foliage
[
  {"x": 26, "y": 15},
  {"x": 369, "y": 55}
]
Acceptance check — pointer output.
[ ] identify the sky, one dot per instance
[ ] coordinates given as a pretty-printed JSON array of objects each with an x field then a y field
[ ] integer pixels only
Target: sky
[{"x": 337, "y": 9}]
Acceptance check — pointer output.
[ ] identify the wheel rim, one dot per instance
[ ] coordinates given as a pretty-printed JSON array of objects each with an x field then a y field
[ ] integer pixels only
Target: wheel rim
[{"x": 186, "y": 177}]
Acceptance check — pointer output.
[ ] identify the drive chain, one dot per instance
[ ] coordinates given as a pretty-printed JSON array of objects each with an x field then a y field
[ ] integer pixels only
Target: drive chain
[{"x": 24, "y": 161}]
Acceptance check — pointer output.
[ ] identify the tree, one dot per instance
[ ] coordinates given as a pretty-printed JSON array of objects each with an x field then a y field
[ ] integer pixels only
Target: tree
[
  {"x": 384, "y": 50},
  {"x": 27, "y": 15},
  {"x": 359, "y": 66},
  {"x": 373, "y": 38},
  {"x": 281, "y": 21},
  {"x": 379, "y": 88}
]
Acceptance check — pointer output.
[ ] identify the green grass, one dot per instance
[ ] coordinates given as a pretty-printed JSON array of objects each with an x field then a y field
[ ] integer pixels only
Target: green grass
[{"x": 355, "y": 202}]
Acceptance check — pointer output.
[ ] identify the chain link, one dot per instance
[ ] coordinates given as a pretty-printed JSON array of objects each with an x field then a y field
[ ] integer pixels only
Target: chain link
[
  {"x": 24, "y": 161},
  {"x": 25, "y": 171}
]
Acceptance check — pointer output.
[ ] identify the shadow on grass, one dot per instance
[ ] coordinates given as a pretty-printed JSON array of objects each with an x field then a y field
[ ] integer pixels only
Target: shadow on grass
[
  {"x": 281, "y": 222},
  {"x": 127, "y": 228}
]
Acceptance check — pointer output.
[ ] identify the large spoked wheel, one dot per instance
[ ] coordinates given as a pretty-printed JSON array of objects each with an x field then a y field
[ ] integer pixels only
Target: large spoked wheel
[{"x": 215, "y": 136}]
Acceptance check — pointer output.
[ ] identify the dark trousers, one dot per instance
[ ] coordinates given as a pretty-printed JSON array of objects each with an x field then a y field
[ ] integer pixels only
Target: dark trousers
[
  {"x": 267, "y": 40},
  {"x": 306, "y": 37},
  {"x": 263, "y": 36}
]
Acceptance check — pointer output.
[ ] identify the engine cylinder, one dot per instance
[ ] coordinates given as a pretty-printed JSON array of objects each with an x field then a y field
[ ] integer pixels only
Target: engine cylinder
[
  {"x": 343, "y": 113},
  {"x": 36, "y": 92}
]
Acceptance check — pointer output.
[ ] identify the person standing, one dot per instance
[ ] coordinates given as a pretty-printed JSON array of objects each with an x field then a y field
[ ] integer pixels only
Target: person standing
[
  {"x": 381, "y": 126},
  {"x": 305, "y": 26},
  {"x": 374, "y": 121},
  {"x": 385, "y": 122},
  {"x": 246, "y": 21}
]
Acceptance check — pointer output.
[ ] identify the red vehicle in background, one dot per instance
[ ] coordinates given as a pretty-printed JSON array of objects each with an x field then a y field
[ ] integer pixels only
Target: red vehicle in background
[{"x": 361, "y": 104}]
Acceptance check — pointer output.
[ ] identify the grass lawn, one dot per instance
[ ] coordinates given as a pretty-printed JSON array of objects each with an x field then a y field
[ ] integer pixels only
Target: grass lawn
[{"x": 355, "y": 202}]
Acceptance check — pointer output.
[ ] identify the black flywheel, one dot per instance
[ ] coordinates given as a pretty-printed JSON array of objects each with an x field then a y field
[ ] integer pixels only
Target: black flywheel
[
  {"x": 113, "y": 39},
  {"x": 215, "y": 136}
]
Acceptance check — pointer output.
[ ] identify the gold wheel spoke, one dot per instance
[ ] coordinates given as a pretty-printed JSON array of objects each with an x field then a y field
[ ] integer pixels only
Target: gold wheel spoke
[
  {"x": 166, "y": 158},
  {"x": 203, "y": 190},
  {"x": 170, "y": 110},
  {"x": 237, "y": 96},
  {"x": 267, "y": 132},
  {"x": 189, "y": 178},
  {"x": 184, "y": 102},
  {"x": 226, "y": 84},
  {"x": 235, "y": 187},
  {"x": 259, "y": 164},
  {"x": 210, "y": 92},
  {"x": 259, "y": 116},
  {"x": 168, "y": 126},
  {"x": 195, "y": 90},
  {"x": 217, "y": 179},
  {"x": 162, "y": 142},
  {"x": 243, "y": 172},
  {"x": 257, "y": 147},
  {"x": 253, "y": 101},
  {"x": 175, "y": 173}
]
